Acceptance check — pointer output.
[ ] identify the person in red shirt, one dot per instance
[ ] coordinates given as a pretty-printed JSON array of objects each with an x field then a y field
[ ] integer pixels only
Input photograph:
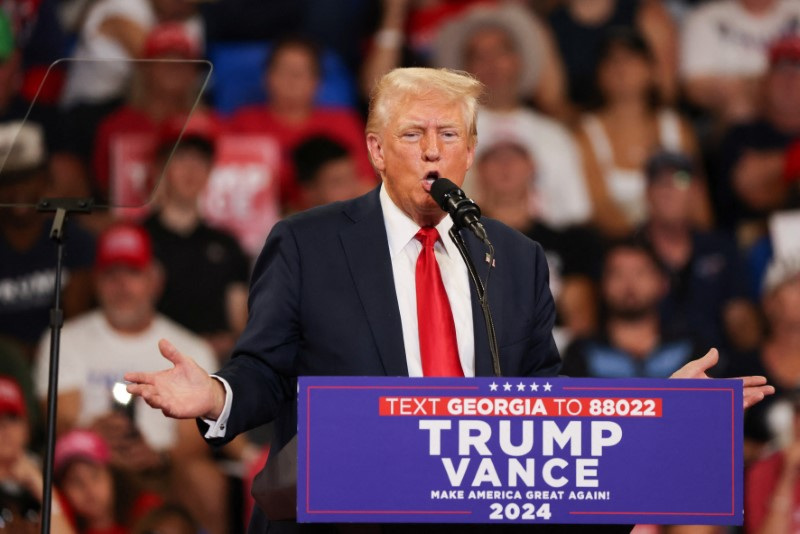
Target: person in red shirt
[
  {"x": 164, "y": 90},
  {"x": 290, "y": 116},
  {"x": 772, "y": 484},
  {"x": 772, "y": 499},
  {"x": 326, "y": 172}
]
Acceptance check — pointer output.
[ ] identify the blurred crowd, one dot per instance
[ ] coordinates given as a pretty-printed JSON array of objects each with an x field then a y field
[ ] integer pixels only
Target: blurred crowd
[{"x": 652, "y": 148}]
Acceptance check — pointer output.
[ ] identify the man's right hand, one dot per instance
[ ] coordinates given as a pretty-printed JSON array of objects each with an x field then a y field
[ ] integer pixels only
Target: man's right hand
[{"x": 184, "y": 392}]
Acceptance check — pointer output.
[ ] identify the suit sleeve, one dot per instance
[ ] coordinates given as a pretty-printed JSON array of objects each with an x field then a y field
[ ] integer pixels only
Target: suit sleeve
[
  {"x": 544, "y": 357},
  {"x": 262, "y": 370}
]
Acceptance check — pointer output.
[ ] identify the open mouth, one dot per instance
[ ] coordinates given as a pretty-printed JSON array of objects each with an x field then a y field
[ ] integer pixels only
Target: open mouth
[{"x": 431, "y": 177}]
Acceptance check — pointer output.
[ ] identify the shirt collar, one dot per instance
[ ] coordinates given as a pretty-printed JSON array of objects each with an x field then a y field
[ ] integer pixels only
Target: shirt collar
[{"x": 400, "y": 228}]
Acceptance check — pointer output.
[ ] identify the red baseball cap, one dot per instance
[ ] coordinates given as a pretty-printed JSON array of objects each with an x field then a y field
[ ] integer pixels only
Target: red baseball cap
[
  {"x": 11, "y": 398},
  {"x": 785, "y": 48},
  {"x": 124, "y": 244},
  {"x": 79, "y": 445},
  {"x": 170, "y": 39}
]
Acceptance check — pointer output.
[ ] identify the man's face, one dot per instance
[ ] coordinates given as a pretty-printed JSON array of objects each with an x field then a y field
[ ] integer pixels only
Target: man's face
[
  {"x": 492, "y": 57},
  {"x": 336, "y": 180},
  {"x": 292, "y": 79},
  {"x": 173, "y": 76},
  {"x": 632, "y": 285},
  {"x": 506, "y": 170},
  {"x": 186, "y": 175},
  {"x": 669, "y": 197},
  {"x": 424, "y": 138},
  {"x": 127, "y": 295}
]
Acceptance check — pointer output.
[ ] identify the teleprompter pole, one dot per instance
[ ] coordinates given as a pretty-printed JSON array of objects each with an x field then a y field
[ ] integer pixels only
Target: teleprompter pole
[{"x": 61, "y": 207}]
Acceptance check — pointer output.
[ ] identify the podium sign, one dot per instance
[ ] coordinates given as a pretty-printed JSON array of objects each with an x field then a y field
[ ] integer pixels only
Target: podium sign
[{"x": 519, "y": 450}]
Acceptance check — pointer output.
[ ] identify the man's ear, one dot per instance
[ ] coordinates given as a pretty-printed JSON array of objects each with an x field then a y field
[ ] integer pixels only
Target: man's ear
[
  {"x": 375, "y": 148},
  {"x": 471, "y": 153}
]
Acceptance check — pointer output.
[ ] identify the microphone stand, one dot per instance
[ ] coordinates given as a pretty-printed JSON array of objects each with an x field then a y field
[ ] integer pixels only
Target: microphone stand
[
  {"x": 61, "y": 207},
  {"x": 482, "y": 290}
]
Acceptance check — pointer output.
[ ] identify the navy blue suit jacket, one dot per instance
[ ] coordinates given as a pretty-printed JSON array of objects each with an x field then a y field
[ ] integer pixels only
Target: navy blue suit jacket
[{"x": 323, "y": 302}]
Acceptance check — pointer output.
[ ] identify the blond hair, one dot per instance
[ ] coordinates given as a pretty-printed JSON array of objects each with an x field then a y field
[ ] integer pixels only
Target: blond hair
[{"x": 458, "y": 86}]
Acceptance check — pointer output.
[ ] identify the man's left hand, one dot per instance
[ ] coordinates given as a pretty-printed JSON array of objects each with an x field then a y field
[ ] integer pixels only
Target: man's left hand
[{"x": 755, "y": 387}]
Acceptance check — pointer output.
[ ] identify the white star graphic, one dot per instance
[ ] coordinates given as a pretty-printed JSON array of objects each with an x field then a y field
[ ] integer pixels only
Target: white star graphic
[
  {"x": 520, "y": 387},
  {"x": 534, "y": 387},
  {"x": 548, "y": 387},
  {"x": 506, "y": 387},
  {"x": 493, "y": 386}
]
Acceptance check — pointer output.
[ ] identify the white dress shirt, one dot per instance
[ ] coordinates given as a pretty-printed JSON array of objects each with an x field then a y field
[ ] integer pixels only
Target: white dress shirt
[{"x": 404, "y": 249}]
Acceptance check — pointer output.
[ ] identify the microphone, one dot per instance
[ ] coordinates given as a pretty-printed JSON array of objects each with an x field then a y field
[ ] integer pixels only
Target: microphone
[{"x": 463, "y": 210}]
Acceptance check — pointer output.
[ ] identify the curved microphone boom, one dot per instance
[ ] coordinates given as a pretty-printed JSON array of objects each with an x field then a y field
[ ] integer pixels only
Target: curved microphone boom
[{"x": 464, "y": 212}]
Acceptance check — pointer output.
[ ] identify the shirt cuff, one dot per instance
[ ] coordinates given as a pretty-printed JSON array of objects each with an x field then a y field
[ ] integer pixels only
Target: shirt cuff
[{"x": 216, "y": 429}]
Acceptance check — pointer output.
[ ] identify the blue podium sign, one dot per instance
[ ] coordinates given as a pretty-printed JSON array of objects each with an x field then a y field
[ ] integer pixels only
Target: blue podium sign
[{"x": 519, "y": 450}]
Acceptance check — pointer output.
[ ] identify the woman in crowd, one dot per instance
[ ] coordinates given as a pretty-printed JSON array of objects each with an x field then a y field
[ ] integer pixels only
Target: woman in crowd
[
  {"x": 99, "y": 499},
  {"x": 628, "y": 125},
  {"x": 579, "y": 27}
]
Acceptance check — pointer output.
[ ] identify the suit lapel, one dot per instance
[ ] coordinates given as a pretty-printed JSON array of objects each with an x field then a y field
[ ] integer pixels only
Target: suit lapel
[{"x": 367, "y": 250}]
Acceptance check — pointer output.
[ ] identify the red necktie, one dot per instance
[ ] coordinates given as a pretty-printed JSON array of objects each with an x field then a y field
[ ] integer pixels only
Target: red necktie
[{"x": 437, "y": 331}]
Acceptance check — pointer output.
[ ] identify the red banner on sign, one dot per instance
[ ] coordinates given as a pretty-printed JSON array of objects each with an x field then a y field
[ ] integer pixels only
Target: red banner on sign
[{"x": 519, "y": 406}]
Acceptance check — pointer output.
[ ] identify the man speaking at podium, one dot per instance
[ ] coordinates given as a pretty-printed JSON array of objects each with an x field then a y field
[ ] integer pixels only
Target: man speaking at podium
[{"x": 373, "y": 286}]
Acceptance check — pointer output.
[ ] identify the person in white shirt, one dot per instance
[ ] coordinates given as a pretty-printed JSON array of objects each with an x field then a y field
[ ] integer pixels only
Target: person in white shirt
[
  {"x": 113, "y": 33},
  {"x": 724, "y": 52},
  {"x": 96, "y": 350},
  {"x": 508, "y": 51}
]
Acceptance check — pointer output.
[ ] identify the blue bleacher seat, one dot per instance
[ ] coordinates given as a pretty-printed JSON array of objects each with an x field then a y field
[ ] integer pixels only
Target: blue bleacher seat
[{"x": 239, "y": 70}]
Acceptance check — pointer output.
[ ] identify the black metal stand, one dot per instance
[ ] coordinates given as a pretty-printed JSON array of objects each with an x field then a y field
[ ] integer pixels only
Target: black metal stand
[
  {"x": 61, "y": 207},
  {"x": 482, "y": 290}
]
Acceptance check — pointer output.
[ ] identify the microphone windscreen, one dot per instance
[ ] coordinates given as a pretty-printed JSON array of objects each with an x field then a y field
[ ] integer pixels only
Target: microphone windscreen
[{"x": 440, "y": 189}]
